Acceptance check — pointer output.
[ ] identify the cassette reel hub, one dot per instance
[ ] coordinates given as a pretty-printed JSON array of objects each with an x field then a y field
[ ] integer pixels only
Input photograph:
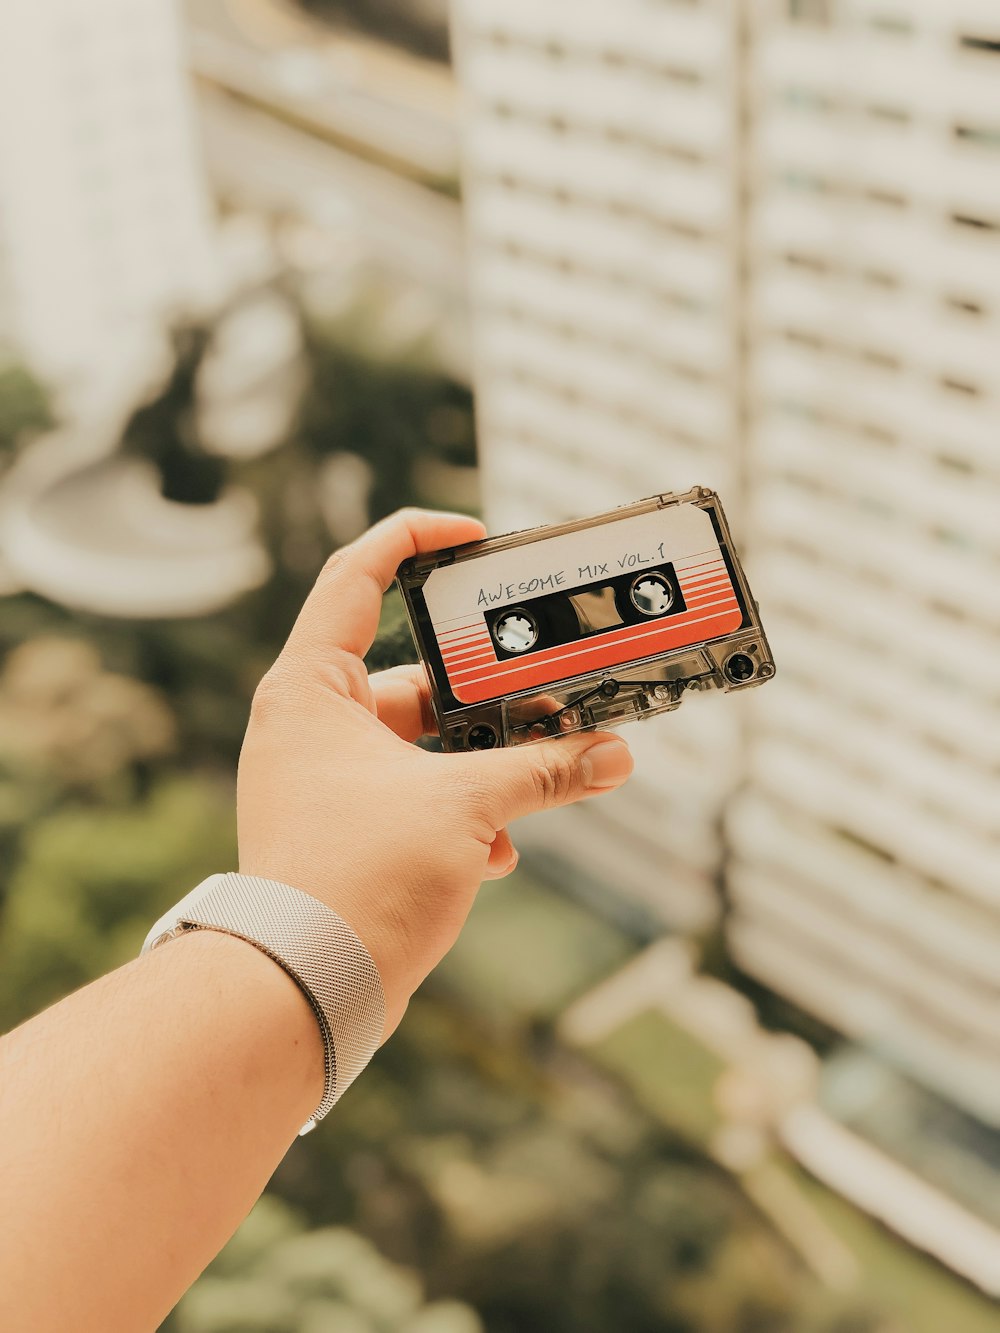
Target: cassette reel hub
[
  {"x": 516, "y": 631},
  {"x": 652, "y": 594}
]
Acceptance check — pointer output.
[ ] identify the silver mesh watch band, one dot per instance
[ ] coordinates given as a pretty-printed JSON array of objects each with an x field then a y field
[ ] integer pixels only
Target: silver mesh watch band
[{"x": 317, "y": 949}]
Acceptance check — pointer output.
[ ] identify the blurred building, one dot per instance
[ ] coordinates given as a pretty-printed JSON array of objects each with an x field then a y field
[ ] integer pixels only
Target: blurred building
[
  {"x": 865, "y": 871},
  {"x": 104, "y": 219},
  {"x": 757, "y": 245},
  {"x": 601, "y": 184}
]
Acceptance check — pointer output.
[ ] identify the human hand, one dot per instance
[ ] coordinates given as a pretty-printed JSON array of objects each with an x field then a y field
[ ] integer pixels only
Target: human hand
[{"x": 334, "y": 799}]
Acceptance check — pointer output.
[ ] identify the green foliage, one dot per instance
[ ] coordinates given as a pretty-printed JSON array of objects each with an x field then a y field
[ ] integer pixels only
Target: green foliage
[
  {"x": 393, "y": 647},
  {"x": 672, "y": 1073},
  {"x": 275, "y": 1276},
  {"x": 542, "y": 1195},
  {"x": 67, "y": 726},
  {"x": 393, "y": 644},
  {"x": 163, "y": 430},
  {"x": 90, "y": 882},
  {"x": 527, "y": 952},
  {"x": 24, "y": 408},
  {"x": 390, "y": 414}
]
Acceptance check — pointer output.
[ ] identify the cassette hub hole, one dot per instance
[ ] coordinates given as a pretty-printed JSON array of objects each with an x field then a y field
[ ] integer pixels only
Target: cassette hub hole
[
  {"x": 740, "y": 668},
  {"x": 516, "y": 631},
  {"x": 652, "y": 594},
  {"x": 482, "y": 737}
]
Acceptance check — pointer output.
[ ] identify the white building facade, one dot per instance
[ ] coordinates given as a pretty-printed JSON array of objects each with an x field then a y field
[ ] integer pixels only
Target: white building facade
[
  {"x": 600, "y": 185},
  {"x": 865, "y": 870},
  {"x": 105, "y": 224},
  {"x": 757, "y": 245}
]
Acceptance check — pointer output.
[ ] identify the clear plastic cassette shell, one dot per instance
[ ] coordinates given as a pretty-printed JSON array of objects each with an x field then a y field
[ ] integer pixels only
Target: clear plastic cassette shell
[{"x": 584, "y": 625}]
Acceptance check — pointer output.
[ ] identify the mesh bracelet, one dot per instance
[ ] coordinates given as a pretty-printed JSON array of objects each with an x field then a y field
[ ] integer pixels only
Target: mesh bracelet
[{"x": 318, "y": 950}]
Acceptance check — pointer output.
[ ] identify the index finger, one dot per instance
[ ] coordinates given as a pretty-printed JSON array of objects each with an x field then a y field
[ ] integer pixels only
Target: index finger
[{"x": 342, "y": 610}]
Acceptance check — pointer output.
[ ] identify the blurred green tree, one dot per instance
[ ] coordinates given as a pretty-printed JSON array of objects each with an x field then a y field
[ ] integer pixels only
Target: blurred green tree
[
  {"x": 91, "y": 880},
  {"x": 164, "y": 429},
  {"x": 68, "y": 725},
  {"x": 277, "y": 1276},
  {"x": 24, "y": 408},
  {"x": 391, "y": 414},
  {"x": 544, "y": 1197}
]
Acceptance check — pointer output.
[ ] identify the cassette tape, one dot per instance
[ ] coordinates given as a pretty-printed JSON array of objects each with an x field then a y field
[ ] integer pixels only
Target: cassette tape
[{"x": 587, "y": 624}]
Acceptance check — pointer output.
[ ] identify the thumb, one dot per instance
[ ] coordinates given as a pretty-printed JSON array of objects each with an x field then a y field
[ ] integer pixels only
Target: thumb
[{"x": 543, "y": 774}]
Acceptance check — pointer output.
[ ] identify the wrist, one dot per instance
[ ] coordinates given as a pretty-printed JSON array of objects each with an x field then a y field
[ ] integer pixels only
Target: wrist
[
  {"x": 266, "y": 1033},
  {"x": 313, "y": 945},
  {"x": 360, "y": 906}
]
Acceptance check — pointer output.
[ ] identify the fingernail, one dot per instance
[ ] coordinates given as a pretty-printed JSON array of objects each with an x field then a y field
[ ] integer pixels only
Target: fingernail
[{"x": 607, "y": 764}]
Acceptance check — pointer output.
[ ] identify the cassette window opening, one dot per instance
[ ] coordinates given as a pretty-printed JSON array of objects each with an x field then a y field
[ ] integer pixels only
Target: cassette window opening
[{"x": 560, "y": 618}]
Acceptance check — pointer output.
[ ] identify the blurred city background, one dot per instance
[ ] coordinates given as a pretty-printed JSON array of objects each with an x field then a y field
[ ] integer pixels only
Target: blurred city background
[{"x": 724, "y": 1055}]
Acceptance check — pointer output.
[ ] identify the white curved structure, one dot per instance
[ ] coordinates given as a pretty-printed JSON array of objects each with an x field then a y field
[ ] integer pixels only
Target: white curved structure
[{"x": 99, "y": 536}]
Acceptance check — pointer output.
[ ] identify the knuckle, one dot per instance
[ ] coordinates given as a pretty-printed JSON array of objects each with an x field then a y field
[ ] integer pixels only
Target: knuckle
[
  {"x": 408, "y": 515},
  {"x": 269, "y": 697},
  {"x": 345, "y": 674},
  {"x": 398, "y": 519},
  {"x": 332, "y": 567},
  {"x": 554, "y": 777}
]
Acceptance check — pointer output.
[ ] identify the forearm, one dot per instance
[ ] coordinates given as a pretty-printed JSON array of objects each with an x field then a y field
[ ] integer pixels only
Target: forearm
[{"x": 139, "y": 1120}]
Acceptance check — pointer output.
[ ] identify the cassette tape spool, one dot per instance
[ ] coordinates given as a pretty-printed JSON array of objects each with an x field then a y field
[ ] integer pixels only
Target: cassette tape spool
[{"x": 582, "y": 625}]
